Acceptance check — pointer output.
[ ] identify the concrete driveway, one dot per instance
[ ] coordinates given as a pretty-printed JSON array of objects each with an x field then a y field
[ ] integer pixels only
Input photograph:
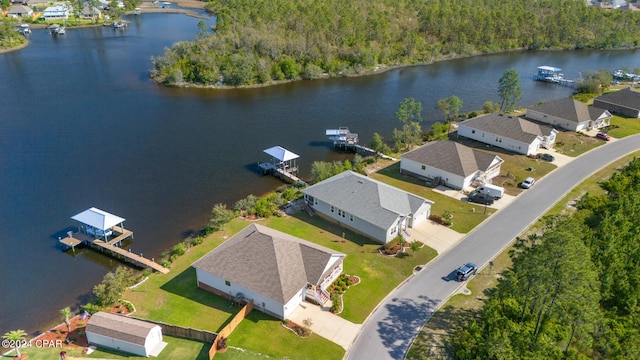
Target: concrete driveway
[{"x": 325, "y": 324}]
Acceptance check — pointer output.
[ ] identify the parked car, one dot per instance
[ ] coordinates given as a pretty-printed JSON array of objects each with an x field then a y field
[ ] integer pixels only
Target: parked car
[
  {"x": 603, "y": 136},
  {"x": 480, "y": 198},
  {"x": 494, "y": 191},
  {"x": 527, "y": 183},
  {"x": 547, "y": 157},
  {"x": 465, "y": 271}
]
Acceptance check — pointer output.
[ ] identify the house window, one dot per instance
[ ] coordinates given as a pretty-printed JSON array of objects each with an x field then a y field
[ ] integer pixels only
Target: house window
[
  {"x": 351, "y": 218},
  {"x": 473, "y": 131},
  {"x": 332, "y": 209},
  {"x": 315, "y": 201},
  {"x": 339, "y": 212},
  {"x": 423, "y": 167},
  {"x": 227, "y": 282},
  {"x": 482, "y": 134},
  {"x": 344, "y": 213}
]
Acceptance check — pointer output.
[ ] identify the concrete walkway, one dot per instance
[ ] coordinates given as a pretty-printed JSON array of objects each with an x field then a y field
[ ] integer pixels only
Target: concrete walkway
[{"x": 326, "y": 324}]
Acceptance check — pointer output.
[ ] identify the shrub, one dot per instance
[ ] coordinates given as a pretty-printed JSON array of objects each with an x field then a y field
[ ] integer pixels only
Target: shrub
[
  {"x": 415, "y": 246},
  {"x": 179, "y": 249},
  {"x": 198, "y": 240},
  {"x": 91, "y": 308}
]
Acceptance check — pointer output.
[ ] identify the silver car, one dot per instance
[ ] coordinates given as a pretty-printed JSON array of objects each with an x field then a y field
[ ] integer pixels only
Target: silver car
[{"x": 527, "y": 183}]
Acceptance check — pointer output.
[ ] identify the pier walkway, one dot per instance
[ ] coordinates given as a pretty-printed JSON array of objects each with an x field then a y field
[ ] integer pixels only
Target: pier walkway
[{"x": 131, "y": 257}]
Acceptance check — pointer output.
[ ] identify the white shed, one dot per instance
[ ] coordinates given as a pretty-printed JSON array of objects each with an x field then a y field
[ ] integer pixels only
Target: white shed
[{"x": 125, "y": 334}]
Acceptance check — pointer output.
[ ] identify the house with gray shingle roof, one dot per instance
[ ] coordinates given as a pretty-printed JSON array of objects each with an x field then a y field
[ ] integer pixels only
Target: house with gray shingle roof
[
  {"x": 125, "y": 334},
  {"x": 277, "y": 271},
  {"x": 569, "y": 114},
  {"x": 454, "y": 164},
  {"x": 625, "y": 102},
  {"x": 508, "y": 132},
  {"x": 368, "y": 206},
  {"x": 19, "y": 10}
]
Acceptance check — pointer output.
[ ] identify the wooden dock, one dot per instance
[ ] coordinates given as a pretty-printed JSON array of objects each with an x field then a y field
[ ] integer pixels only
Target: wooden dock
[
  {"x": 288, "y": 176},
  {"x": 131, "y": 257},
  {"x": 74, "y": 239}
]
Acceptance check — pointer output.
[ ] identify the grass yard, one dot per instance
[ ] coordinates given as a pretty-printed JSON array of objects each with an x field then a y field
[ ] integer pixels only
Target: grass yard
[
  {"x": 466, "y": 215},
  {"x": 379, "y": 274},
  {"x": 623, "y": 127},
  {"x": 177, "y": 348},
  {"x": 574, "y": 144}
]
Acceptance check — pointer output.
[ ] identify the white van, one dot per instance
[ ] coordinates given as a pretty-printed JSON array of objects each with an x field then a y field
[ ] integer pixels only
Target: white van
[{"x": 491, "y": 190}]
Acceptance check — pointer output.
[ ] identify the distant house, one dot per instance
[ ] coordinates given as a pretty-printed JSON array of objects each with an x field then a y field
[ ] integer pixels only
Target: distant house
[
  {"x": 275, "y": 270},
  {"x": 90, "y": 12},
  {"x": 59, "y": 12},
  {"x": 368, "y": 206},
  {"x": 508, "y": 132},
  {"x": 19, "y": 11},
  {"x": 125, "y": 334},
  {"x": 625, "y": 102},
  {"x": 456, "y": 165},
  {"x": 569, "y": 114}
]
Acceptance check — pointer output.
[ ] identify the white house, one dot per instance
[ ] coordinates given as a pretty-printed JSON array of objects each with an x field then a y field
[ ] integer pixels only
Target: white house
[
  {"x": 368, "y": 206},
  {"x": 275, "y": 270},
  {"x": 451, "y": 164},
  {"x": 508, "y": 132},
  {"x": 56, "y": 12},
  {"x": 570, "y": 114},
  {"x": 125, "y": 334}
]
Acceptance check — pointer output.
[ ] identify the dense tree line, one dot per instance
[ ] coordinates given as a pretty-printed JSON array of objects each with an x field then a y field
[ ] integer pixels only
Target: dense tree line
[
  {"x": 572, "y": 292},
  {"x": 259, "y": 41}
]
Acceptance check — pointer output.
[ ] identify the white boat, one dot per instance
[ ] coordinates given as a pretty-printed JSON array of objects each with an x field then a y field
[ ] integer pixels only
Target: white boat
[
  {"x": 137, "y": 11},
  {"x": 549, "y": 74},
  {"x": 24, "y": 29},
  {"x": 119, "y": 24},
  {"x": 56, "y": 29}
]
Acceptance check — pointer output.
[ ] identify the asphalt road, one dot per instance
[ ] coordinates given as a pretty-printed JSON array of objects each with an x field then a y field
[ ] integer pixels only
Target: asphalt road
[{"x": 389, "y": 331}]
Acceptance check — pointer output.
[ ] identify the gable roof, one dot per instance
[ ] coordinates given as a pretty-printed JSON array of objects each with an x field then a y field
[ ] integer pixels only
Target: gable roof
[
  {"x": 97, "y": 218},
  {"x": 569, "y": 109},
  {"x": 268, "y": 262},
  {"x": 452, "y": 157},
  {"x": 511, "y": 127},
  {"x": 370, "y": 200},
  {"x": 119, "y": 327},
  {"x": 627, "y": 97}
]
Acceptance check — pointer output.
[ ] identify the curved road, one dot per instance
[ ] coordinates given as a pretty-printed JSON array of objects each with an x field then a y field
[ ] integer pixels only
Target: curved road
[{"x": 389, "y": 331}]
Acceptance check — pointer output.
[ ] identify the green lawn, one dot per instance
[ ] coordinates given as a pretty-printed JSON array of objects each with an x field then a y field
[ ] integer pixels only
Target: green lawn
[
  {"x": 574, "y": 144},
  {"x": 466, "y": 215},
  {"x": 622, "y": 127},
  {"x": 379, "y": 274},
  {"x": 177, "y": 348}
]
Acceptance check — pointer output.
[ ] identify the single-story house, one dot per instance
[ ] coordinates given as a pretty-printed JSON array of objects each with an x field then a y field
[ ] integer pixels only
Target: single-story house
[
  {"x": 125, "y": 334},
  {"x": 451, "y": 163},
  {"x": 56, "y": 12},
  {"x": 19, "y": 10},
  {"x": 508, "y": 132},
  {"x": 625, "y": 102},
  {"x": 90, "y": 12},
  {"x": 277, "y": 271},
  {"x": 370, "y": 207},
  {"x": 570, "y": 114}
]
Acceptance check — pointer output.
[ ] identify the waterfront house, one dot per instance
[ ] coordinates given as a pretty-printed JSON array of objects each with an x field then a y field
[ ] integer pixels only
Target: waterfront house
[
  {"x": 370, "y": 207},
  {"x": 451, "y": 164},
  {"x": 19, "y": 11},
  {"x": 276, "y": 270},
  {"x": 625, "y": 102},
  {"x": 569, "y": 114},
  {"x": 126, "y": 334},
  {"x": 508, "y": 132},
  {"x": 90, "y": 12},
  {"x": 59, "y": 12}
]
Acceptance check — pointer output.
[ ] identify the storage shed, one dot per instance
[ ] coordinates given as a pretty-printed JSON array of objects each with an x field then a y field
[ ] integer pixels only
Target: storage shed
[{"x": 124, "y": 334}]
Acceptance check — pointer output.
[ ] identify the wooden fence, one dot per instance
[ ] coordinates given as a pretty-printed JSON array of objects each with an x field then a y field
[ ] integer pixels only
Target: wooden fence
[
  {"x": 183, "y": 332},
  {"x": 227, "y": 330}
]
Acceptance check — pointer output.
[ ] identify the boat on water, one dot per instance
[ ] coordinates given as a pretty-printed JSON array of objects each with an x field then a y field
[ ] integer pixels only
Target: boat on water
[
  {"x": 56, "y": 29},
  {"x": 137, "y": 11},
  {"x": 549, "y": 74},
  {"x": 119, "y": 24},
  {"x": 24, "y": 29}
]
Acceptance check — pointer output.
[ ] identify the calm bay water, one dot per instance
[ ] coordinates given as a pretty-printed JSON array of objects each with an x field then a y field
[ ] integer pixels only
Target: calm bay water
[{"x": 81, "y": 125}]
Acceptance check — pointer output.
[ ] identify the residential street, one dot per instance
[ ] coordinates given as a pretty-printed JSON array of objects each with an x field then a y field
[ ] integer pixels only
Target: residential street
[{"x": 390, "y": 329}]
